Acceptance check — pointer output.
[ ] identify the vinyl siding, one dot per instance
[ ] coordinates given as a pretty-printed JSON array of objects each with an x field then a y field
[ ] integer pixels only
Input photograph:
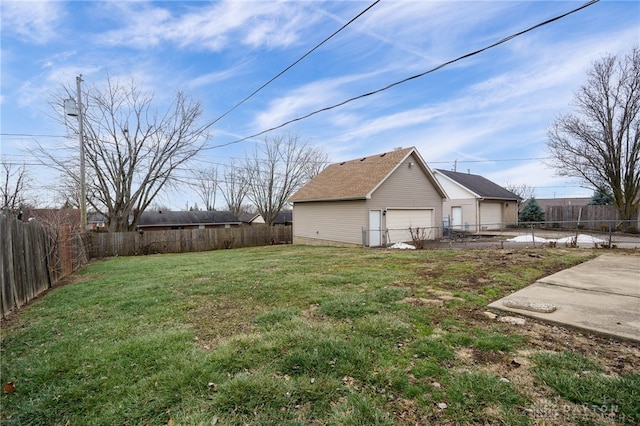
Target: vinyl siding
[
  {"x": 342, "y": 222},
  {"x": 408, "y": 187},
  {"x": 454, "y": 190},
  {"x": 329, "y": 221},
  {"x": 469, "y": 212},
  {"x": 510, "y": 212}
]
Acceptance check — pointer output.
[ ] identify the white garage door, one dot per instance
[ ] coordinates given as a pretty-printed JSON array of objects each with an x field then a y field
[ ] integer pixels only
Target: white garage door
[
  {"x": 490, "y": 216},
  {"x": 400, "y": 220}
]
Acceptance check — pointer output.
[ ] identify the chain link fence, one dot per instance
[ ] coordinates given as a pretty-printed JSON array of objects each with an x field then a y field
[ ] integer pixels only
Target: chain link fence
[{"x": 583, "y": 234}]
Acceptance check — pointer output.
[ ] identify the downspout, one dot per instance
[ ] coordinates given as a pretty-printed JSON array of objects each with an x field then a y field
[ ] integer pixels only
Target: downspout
[{"x": 479, "y": 217}]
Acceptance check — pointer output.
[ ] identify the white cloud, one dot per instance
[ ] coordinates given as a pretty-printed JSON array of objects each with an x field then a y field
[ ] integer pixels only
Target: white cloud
[
  {"x": 32, "y": 21},
  {"x": 214, "y": 27},
  {"x": 211, "y": 78},
  {"x": 306, "y": 99}
]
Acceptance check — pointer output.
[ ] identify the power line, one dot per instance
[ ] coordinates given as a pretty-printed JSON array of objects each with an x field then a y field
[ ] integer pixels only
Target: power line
[
  {"x": 293, "y": 64},
  {"x": 216, "y": 163},
  {"x": 413, "y": 77},
  {"x": 252, "y": 93},
  {"x": 490, "y": 161},
  {"x": 28, "y": 135}
]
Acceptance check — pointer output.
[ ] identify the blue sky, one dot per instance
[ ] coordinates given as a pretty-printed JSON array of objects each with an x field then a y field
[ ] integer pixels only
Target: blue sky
[{"x": 488, "y": 113}]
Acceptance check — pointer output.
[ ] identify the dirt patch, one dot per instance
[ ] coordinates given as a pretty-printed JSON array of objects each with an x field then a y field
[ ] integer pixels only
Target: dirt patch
[
  {"x": 470, "y": 273},
  {"x": 220, "y": 319},
  {"x": 473, "y": 269}
]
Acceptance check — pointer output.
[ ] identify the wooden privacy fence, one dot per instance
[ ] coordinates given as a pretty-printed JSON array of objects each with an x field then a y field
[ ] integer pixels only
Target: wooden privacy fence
[
  {"x": 587, "y": 217},
  {"x": 33, "y": 258},
  {"x": 185, "y": 240}
]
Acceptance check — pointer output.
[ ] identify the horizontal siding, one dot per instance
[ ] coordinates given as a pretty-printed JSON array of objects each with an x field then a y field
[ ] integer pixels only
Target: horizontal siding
[
  {"x": 408, "y": 187},
  {"x": 453, "y": 190},
  {"x": 339, "y": 221},
  {"x": 469, "y": 212}
]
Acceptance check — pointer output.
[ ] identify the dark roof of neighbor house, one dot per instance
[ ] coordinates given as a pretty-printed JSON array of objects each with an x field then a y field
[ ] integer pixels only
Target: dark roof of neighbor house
[
  {"x": 184, "y": 218},
  {"x": 283, "y": 218},
  {"x": 480, "y": 185},
  {"x": 96, "y": 218},
  {"x": 357, "y": 179},
  {"x": 248, "y": 217}
]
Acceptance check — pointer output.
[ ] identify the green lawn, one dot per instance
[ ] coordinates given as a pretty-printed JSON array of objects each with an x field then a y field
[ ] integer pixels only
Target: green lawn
[{"x": 294, "y": 335}]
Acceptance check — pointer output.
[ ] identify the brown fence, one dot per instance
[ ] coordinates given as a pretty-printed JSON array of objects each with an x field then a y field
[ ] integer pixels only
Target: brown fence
[
  {"x": 185, "y": 240},
  {"x": 587, "y": 217},
  {"x": 34, "y": 257}
]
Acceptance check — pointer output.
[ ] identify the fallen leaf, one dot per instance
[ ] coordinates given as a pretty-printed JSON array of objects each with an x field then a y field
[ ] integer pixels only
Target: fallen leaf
[{"x": 8, "y": 387}]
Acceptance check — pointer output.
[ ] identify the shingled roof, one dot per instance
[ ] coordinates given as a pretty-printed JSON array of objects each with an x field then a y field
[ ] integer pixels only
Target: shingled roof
[
  {"x": 185, "y": 218},
  {"x": 355, "y": 179},
  {"x": 479, "y": 185}
]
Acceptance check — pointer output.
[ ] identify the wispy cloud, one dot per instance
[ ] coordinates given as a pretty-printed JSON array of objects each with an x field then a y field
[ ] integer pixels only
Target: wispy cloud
[
  {"x": 32, "y": 21},
  {"x": 214, "y": 27},
  {"x": 305, "y": 99},
  {"x": 212, "y": 78}
]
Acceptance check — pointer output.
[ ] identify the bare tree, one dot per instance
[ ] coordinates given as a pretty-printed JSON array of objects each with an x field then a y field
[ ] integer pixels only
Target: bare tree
[
  {"x": 15, "y": 184},
  {"x": 66, "y": 189},
  {"x": 524, "y": 191},
  {"x": 132, "y": 150},
  {"x": 206, "y": 186},
  {"x": 276, "y": 170},
  {"x": 320, "y": 160},
  {"x": 600, "y": 142},
  {"x": 235, "y": 188}
]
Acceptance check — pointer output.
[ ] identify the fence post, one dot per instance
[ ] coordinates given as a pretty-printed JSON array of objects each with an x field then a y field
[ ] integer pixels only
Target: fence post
[
  {"x": 533, "y": 236},
  {"x": 12, "y": 277}
]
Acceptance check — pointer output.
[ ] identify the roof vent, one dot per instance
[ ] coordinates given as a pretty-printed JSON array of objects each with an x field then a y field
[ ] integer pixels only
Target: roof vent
[
  {"x": 382, "y": 155},
  {"x": 363, "y": 158}
]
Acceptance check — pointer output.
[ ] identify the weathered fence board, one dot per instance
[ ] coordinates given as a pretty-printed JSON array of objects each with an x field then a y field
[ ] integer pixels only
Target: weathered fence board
[
  {"x": 587, "y": 217},
  {"x": 184, "y": 240},
  {"x": 34, "y": 258},
  {"x": 24, "y": 271}
]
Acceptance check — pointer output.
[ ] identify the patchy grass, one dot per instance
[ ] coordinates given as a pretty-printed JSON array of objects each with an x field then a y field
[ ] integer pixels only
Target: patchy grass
[
  {"x": 290, "y": 335},
  {"x": 583, "y": 381}
]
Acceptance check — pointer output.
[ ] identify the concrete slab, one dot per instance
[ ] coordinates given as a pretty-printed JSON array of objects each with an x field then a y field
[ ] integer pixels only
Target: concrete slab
[{"x": 600, "y": 296}]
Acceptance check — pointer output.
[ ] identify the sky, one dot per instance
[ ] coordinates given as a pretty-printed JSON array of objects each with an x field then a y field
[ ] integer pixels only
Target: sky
[{"x": 487, "y": 114}]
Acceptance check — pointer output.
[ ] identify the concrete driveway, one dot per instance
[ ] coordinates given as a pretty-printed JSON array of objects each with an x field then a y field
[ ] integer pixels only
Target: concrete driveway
[{"x": 601, "y": 296}]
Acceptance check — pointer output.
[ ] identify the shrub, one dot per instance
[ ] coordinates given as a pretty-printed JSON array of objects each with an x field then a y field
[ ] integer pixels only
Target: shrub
[{"x": 531, "y": 212}]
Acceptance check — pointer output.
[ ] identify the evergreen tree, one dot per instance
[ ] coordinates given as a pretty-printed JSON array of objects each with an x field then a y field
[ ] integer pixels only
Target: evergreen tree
[
  {"x": 601, "y": 198},
  {"x": 531, "y": 212}
]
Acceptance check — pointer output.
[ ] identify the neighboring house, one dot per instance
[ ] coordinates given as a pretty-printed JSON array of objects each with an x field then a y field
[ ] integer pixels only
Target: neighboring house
[
  {"x": 370, "y": 201},
  {"x": 166, "y": 220},
  {"x": 252, "y": 219},
  {"x": 475, "y": 203},
  {"x": 97, "y": 222},
  {"x": 284, "y": 218}
]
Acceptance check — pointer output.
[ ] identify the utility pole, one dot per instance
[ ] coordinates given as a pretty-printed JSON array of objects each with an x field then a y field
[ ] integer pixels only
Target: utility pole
[
  {"x": 83, "y": 185},
  {"x": 73, "y": 108}
]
